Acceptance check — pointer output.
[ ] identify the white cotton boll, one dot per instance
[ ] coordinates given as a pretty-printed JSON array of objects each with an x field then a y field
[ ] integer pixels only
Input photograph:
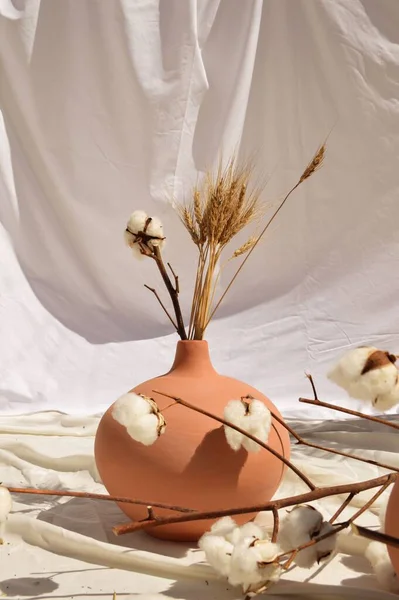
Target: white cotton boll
[
  {"x": 223, "y": 526},
  {"x": 145, "y": 430},
  {"x": 252, "y": 530},
  {"x": 137, "y": 221},
  {"x": 234, "y": 412},
  {"x": 247, "y": 563},
  {"x": 298, "y": 526},
  {"x": 129, "y": 239},
  {"x": 387, "y": 401},
  {"x": 130, "y": 407},
  {"x": 258, "y": 423},
  {"x": 377, "y": 555},
  {"x": 155, "y": 228},
  {"x": 141, "y": 417},
  {"x": 374, "y": 383},
  {"x": 301, "y": 525},
  {"x": 253, "y": 417},
  {"x": 350, "y": 366},
  {"x": 217, "y": 552},
  {"x": 380, "y": 378}
]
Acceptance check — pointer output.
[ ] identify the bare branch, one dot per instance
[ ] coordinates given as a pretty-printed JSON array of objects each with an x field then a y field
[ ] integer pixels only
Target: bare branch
[
  {"x": 153, "y": 290},
  {"x": 348, "y": 411},
  {"x": 176, "y": 278}
]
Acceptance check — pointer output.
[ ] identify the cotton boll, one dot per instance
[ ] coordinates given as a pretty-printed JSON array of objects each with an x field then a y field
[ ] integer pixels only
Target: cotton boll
[
  {"x": 129, "y": 239},
  {"x": 145, "y": 430},
  {"x": 130, "y": 407},
  {"x": 253, "y": 417},
  {"x": 252, "y": 530},
  {"x": 234, "y": 412},
  {"x": 155, "y": 227},
  {"x": 366, "y": 373},
  {"x": 251, "y": 563},
  {"x": 299, "y": 526},
  {"x": 223, "y": 526},
  {"x": 217, "y": 552},
  {"x": 377, "y": 554},
  {"x": 325, "y": 547},
  {"x": 350, "y": 366},
  {"x": 141, "y": 417},
  {"x": 387, "y": 401},
  {"x": 259, "y": 425},
  {"x": 137, "y": 221},
  {"x": 374, "y": 383}
]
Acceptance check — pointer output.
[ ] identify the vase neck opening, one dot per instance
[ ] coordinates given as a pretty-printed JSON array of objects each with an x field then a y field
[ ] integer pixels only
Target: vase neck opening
[{"x": 192, "y": 357}]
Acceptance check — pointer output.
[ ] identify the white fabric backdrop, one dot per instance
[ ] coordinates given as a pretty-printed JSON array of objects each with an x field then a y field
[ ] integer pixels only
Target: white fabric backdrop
[{"x": 111, "y": 106}]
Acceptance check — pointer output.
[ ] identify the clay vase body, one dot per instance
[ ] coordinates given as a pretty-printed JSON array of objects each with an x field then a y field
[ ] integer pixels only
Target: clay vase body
[
  {"x": 392, "y": 524},
  {"x": 191, "y": 464}
]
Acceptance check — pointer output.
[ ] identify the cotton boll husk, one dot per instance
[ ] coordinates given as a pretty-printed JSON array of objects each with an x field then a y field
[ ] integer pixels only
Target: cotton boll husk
[
  {"x": 350, "y": 366},
  {"x": 374, "y": 383},
  {"x": 145, "y": 429},
  {"x": 217, "y": 552},
  {"x": 298, "y": 526},
  {"x": 377, "y": 554},
  {"x": 129, "y": 407},
  {"x": 5, "y": 503},
  {"x": 234, "y": 412},
  {"x": 137, "y": 221},
  {"x": 387, "y": 401}
]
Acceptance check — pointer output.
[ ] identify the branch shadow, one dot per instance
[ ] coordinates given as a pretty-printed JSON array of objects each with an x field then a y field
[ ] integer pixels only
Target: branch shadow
[{"x": 95, "y": 519}]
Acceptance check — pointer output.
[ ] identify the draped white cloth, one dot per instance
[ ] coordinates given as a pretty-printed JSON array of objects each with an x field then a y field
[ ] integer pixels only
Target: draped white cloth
[{"x": 116, "y": 105}]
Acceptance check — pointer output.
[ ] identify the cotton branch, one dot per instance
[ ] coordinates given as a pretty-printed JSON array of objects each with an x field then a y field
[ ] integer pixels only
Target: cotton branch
[
  {"x": 340, "y": 526},
  {"x": 348, "y": 411},
  {"x": 119, "y": 500},
  {"x": 153, "y": 290},
  {"x": 301, "y": 441},
  {"x": 315, "y": 494},
  {"x": 288, "y": 463},
  {"x": 173, "y": 292}
]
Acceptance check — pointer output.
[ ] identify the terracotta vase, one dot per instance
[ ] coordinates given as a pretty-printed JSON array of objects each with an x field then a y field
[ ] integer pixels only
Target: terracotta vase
[
  {"x": 191, "y": 464},
  {"x": 392, "y": 524}
]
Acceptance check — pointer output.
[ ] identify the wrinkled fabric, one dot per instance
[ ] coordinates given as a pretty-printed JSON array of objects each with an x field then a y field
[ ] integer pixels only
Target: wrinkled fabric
[{"x": 108, "y": 107}]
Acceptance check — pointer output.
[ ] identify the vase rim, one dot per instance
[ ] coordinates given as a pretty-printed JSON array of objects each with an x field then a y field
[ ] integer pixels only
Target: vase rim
[{"x": 193, "y": 342}]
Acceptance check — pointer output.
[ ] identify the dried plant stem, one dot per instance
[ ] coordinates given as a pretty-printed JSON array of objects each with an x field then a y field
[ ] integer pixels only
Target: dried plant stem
[
  {"x": 301, "y": 441},
  {"x": 276, "y": 524},
  {"x": 348, "y": 411},
  {"x": 339, "y": 526},
  {"x": 376, "y": 536},
  {"x": 342, "y": 507},
  {"x": 90, "y": 496},
  {"x": 270, "y": 221},
  {"x": 153, "y": 290},
  {"x": 288, "y": 463},
  {"x": 310, "y": 169},
  {"x": 173, "y": 292},
  {"x": 316, "y": 494},
  {"x": 312, "y": 383}
]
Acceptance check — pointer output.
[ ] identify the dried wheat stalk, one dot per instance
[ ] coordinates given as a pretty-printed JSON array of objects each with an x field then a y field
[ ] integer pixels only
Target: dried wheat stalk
[{"x": 219, "y": 209}]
